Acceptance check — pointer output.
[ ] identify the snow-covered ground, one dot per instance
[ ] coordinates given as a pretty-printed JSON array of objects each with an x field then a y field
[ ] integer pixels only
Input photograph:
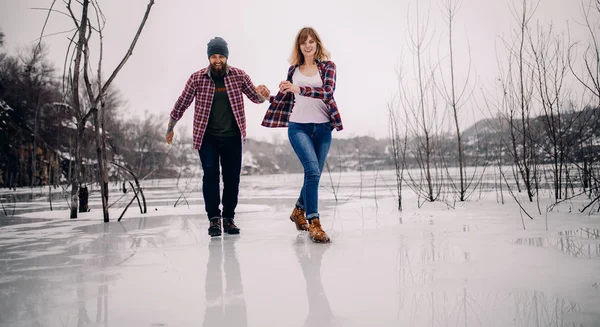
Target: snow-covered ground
[{"x": 443, "y": 264}]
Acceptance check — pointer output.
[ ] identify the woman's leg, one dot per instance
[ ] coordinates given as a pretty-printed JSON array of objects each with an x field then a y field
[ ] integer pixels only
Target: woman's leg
[
  {"x": 311, "y": 143},
  {"x": 301, "y": 141}
]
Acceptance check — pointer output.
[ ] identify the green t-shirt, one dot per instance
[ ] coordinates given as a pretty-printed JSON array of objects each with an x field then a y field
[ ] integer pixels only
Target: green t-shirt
[{"x": 221, "y": 121}]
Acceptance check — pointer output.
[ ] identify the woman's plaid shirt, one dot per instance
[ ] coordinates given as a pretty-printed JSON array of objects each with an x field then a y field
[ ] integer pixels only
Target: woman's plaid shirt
[
  {"x": 201, "y": 87},
  {"x": 278, "y": 113}
]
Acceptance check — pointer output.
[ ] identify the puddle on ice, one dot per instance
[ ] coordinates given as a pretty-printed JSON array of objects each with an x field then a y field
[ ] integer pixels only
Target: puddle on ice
[{"x": 581, "y": 243}]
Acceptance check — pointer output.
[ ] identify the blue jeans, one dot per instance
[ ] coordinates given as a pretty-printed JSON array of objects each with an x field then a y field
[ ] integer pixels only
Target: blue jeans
[
  {"x": 311, "y": 143},
  {"x": 227, "y": 151}
]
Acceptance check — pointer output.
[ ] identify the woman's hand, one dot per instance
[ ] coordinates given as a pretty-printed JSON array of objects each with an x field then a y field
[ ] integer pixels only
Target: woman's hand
[{"x": 286, "y": 86}]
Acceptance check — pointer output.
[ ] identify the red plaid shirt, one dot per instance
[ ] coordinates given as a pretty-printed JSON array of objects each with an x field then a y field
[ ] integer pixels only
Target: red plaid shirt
[
  {"x": 278, "y": 113},
  {"x": 201, "y": 87}
]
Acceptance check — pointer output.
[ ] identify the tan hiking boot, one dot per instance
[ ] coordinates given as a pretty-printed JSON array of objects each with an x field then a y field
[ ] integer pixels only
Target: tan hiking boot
[
  {"x": 316, "y": 233},
  {"x": 299, "y": 219}
]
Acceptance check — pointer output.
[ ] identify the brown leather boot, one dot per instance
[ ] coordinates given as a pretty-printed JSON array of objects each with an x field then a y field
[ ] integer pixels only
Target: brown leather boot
[
  {"x": 316, "y": 233},
  {"x": 214, "y": 229},
  {"x": 299, "y": 219},
  {"x": 229, "y": 226}
]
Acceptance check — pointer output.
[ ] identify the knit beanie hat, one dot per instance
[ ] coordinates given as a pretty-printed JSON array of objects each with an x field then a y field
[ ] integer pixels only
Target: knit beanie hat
[{"x": 217, "y": 46}]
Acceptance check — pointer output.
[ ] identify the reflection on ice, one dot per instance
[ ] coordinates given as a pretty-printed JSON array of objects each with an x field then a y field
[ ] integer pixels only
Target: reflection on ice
[
  {"x": 225, "y": 303},
  {"x": 584, "y": 243},
  {"x": 310, "y": 256},
  {"x": 464, "y": 307},
  {"x": 426, "y": 300}
]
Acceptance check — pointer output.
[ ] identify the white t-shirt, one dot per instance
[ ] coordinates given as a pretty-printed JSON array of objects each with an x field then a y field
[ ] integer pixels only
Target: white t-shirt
[{"x": 306, "y": 109}]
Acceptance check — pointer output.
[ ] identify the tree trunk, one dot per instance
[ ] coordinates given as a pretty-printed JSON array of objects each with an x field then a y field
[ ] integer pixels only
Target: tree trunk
[
  {"x": 428, "y": 168},
  {"x": 36, "y": 125},
  {"x": 77, "y": 105},
  {"x": 83, "y": 199},
  {"x": 102, "y": 175},
  {"x": 75, "y": 178}
]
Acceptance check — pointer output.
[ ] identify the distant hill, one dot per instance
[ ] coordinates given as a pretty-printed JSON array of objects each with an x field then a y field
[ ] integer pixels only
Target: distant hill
[{"x": 485, "y": 141}]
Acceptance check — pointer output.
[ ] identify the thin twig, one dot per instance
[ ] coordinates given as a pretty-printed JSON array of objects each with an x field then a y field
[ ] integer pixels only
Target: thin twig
[
  {"x": 514, "y": 196},
  {"x": 136, "y": 197},
  {"x": 4, "y": 209},
  {"x": 127, "y": 207},
  {"x": 331, "y": 180},
  {"x": 589, "y": 204},
  {"x": 39, "y": 45}
]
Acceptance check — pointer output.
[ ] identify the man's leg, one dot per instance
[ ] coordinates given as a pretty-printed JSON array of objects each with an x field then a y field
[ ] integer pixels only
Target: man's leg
[
  {"x": 209, "y": 158},
  {"x": 231, "y": 164}
]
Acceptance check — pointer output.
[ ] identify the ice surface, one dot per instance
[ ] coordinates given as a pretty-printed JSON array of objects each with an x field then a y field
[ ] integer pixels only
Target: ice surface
[{"x": 444, "y": 264}]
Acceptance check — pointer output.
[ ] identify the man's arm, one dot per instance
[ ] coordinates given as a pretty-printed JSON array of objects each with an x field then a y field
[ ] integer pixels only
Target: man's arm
[
  {"x": 183, "y": 102},
  {"x": 250, "y": 91}
]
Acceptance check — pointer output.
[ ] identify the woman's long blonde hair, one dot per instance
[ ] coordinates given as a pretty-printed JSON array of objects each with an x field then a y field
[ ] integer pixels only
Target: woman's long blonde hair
[{"x": 297, "y": 57}]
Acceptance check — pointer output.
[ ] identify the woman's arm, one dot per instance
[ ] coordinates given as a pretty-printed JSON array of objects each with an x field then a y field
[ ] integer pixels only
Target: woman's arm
[{"x": 324, "y": 93}]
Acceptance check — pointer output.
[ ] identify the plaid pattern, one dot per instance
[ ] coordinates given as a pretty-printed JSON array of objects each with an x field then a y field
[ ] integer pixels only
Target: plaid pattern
[
  {"x": 202, "y": 88},
  {"x": 278, "y": 113}
]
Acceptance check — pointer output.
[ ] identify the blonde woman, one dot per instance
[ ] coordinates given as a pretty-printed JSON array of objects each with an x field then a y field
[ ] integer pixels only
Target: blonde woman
[{"x": 306, "y": 106}]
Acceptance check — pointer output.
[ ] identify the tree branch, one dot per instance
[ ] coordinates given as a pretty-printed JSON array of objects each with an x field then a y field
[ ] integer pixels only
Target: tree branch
[{"x": 131, "y": 47}]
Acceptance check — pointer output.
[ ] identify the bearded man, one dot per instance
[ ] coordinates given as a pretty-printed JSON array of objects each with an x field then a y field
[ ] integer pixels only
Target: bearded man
[{"x": 219, "y": 130}]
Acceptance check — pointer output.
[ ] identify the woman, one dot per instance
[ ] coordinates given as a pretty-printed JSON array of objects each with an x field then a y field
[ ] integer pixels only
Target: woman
[{"x": 305, "y": 105}]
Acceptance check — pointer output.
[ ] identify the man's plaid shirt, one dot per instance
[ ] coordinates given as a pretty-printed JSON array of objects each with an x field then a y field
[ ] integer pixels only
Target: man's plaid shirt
[
  {"x": 278, "y": 113},
  {"x": 201, "y": 87}
]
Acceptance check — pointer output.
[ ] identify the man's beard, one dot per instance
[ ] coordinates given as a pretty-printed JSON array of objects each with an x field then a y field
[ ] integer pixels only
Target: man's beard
[{"x": 216, "y": 71}]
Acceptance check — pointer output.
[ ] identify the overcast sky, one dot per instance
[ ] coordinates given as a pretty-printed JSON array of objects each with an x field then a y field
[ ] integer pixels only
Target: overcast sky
[{"x": 367, "y": 39}]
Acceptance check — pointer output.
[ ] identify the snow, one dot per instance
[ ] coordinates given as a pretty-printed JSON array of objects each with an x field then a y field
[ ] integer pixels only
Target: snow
[
  {"x": 72, "y": 123},
  {"x": 443, "y": 264}
]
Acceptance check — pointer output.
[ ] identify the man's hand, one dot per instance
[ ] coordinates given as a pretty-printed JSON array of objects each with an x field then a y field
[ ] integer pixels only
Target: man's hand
[
  {"x": 169, "y": 137},
  {"x": 263, "y": 91},
  {"x": 170, "y": 131}
]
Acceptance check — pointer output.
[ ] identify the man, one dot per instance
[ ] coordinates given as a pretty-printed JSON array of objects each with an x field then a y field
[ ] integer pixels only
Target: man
[{"x": 219, "y": 130}]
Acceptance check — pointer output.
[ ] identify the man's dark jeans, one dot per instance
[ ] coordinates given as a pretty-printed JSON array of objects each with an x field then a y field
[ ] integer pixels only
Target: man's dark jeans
[{"x": 227, "y": 151}]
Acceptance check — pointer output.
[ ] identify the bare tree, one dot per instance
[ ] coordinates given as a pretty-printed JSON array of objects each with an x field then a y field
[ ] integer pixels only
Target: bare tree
[
  {"x": 81, "y": 65},
  {"x": 517, "y": 100},
  {"x": 38, "y": 75},
  {"x": 551, "y": 68},
  {"x": 148, "y": 143},
  {"x": 590, "y": 76},
  {"x": 398, "y": 145},
  {"x": 421, "y": 107},
  {"x": 456, "y": 95}
]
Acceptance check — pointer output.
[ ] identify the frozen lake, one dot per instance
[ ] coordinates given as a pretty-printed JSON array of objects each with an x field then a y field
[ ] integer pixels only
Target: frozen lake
[{"x": 440, "y": 264}]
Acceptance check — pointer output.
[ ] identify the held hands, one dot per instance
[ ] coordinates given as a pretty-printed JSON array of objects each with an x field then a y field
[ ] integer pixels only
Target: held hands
[
  {"x": 169, "y": 137},
  {"x": 263, "y": 91},
  {"x": 286, "y": 86}
]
